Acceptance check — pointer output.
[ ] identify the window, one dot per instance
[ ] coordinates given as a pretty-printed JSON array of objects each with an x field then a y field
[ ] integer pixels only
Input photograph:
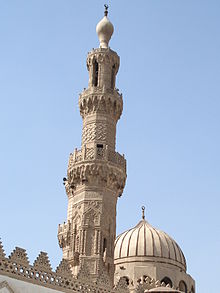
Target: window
[
  {"x": 182, "y": 286},
  {"x": 167, "y": 281},
  {"x": 95, "y": 73},
  {"x": 113, "y": 77},
  {"x": 104, "y": 244}
]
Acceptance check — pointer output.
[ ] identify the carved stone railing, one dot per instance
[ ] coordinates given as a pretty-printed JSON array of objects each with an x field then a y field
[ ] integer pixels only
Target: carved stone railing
[
  {"x": 40, "y": 273},
  {"x": 101, "y": 99},
  {"x": 96, "y": 153},
  {"x": 100, "y": 90}
]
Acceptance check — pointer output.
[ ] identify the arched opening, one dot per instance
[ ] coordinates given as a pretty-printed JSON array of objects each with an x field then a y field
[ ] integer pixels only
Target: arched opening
[
  {"x": 95, "y": 73},
  {"x": 192, "y": 290},
  {"x": 113, "y": 77},
  {"x": 126, "y": 279},
  {"x": 167, "y": 281},
  {"x": 182, "y": 286},
  {"x": 104, "y": 244}
]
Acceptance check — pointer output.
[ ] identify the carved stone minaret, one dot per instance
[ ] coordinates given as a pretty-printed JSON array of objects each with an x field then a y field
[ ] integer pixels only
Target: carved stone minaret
[{"x": 96, "y": 173}]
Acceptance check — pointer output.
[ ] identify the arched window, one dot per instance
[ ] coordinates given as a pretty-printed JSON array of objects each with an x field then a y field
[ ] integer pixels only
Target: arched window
[
  {"x": 113, "y": 77},
  {"x": 126, "y": 279},
  {"x": 95, "y": 73},
  {"x": 192, "y": 290},
  {"x": 104, "y": 244},
  {"x": 182, "y": 286},
  {"x": 167, "y": 281}
]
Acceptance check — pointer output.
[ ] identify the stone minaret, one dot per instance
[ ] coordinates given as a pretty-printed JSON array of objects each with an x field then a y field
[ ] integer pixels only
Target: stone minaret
[{"x": 96, "y": 173}]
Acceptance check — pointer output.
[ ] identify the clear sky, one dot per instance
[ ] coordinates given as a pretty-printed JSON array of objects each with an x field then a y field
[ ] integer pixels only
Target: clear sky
[{"x": 169, "y": 130}]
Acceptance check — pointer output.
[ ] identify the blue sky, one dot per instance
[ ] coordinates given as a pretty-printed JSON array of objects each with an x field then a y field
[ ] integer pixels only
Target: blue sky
[{"x": 169, "y": 130}]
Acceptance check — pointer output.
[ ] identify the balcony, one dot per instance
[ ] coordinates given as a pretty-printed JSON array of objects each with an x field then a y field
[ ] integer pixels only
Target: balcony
[{"x": 98, "y": 152}]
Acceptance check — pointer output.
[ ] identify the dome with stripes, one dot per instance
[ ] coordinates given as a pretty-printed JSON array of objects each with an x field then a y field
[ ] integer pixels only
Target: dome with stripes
[{"x": 147, "y": 244}]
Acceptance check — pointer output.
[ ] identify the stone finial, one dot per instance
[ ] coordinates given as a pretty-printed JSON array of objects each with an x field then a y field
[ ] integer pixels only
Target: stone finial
[
  {"x": 42, "y": 262},
  {"x": 19, "y": 256},
  {"x": 104, "y": 30},
  {"x": 64, "y": 270},
  {"x": 2, "y": 252},
  {"x": 143, "y": 212},
  {"x": 106, "y": 10}
]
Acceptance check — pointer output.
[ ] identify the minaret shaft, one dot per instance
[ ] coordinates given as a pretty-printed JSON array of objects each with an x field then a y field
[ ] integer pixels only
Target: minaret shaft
[{"x": 96, "y": 173}]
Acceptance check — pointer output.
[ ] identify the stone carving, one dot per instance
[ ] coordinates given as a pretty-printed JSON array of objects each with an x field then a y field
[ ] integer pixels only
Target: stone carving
[
  {"x": 95, "y": 205},
  {"x": 94, "y": 132},
  {"x": 102, "y": 55},
  {"x": 64, "y": 234},
  {"x": 104, "y": 279},
  {"x": 112, "y": 105},
  {"x": 60, "y": 280},
  {"x": 100, "y": 174},
  {"x": 122, "y": 286},
  {"x": 4, "y": 284},
  {"x": 84, "y": 273},
  {"x": 94, "y": 153},
  {"x": 42, "y": 262},
  {"x": 64, "y": 269},
  {"x": 19, "y": 255},
  {"x": 90, "y": 153},
  {"x": 69, "y": 189},
  {"x": 146, "y": 283}
]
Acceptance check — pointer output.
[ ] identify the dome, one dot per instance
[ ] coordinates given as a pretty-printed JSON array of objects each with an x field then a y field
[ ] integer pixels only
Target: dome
[
  {"x": 146, "y": 243},
  {"x": 104, "y": 30}
]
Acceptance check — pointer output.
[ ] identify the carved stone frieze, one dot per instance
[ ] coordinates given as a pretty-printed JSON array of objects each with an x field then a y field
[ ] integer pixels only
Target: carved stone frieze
[
  {"x": 94, "y": 173},
  {"x": 101, "y": 55},
  {"x": 94, "y": 153},
  {"x": 110, "y": 104},
  {"x": 94, "y": 131}
]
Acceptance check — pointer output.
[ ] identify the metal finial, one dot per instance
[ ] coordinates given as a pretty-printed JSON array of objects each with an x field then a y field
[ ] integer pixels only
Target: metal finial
[
  {"x": 143, "y": 209},
  {"x": 106, "y": 10}
]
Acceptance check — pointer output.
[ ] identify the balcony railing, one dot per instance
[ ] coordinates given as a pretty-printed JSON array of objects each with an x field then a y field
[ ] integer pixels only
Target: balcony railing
[{"x": 96, "y": 152}]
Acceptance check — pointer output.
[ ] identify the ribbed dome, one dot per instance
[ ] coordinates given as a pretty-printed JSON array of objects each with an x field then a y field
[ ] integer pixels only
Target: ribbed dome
[{"x": 145, "y": 242}]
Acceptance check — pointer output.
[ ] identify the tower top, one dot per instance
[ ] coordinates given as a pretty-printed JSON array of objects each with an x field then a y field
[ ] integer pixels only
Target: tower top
[{"x": 104, "y": 29}]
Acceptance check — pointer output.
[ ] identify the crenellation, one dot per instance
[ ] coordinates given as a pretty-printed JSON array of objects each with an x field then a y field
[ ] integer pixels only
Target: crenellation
[
  {"x": 19, "y": 255},
  {"x": 40, "y": 273},
  {"x": 42, "y": 262}
]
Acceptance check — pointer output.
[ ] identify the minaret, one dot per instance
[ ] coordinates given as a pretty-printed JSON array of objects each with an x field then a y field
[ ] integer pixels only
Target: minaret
[{"x": 96, "y": 173}]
